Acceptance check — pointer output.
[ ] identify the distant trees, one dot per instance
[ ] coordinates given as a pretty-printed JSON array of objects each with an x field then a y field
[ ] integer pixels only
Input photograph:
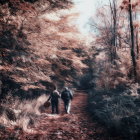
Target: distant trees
[
  {"x": 118, "y": 29},
  {"x": 108, "y": 26}
]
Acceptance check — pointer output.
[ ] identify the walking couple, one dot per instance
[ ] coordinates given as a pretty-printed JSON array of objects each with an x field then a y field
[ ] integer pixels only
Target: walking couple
[{"x": 66, "y": 96}]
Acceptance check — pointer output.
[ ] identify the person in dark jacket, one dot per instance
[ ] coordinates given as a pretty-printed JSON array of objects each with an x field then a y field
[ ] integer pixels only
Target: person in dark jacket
[
  {"x": 67, "y": 96},
  {"x": 54, "y": 97}
]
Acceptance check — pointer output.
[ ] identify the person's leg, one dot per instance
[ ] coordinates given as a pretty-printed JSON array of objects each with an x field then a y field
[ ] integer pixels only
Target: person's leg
[
  {"x": 65, "y": 106},
  {"x": 68, "y": 107},
  {"x": 57, "y": 107},
  {"x": 53, "y": 107}
]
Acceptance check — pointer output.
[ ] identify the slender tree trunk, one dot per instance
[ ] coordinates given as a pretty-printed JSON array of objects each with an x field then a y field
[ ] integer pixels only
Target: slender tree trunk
[
  {"x": 132, "y": 42},
  {"x": 137, "y": 42},
  {"x": 137, "y": 37},
  {"x": 113, "y": 8},
  {"x": 115, "y": 23}
]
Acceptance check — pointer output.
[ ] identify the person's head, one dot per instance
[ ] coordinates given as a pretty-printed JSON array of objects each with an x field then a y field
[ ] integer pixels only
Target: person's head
[
  {"x": 55, "y": 88},
  {"x": 66, "y": 88}
]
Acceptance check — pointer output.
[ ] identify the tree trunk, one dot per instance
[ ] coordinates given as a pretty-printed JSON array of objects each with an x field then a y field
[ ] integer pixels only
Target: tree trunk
[
  {"x": 132, "y": 42},
  {"x": 137, "y": 43},
  {"x": 113, "y": 8}
]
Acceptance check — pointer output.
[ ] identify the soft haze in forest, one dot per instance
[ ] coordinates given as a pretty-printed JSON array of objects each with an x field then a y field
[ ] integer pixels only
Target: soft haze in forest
[{"x": 86, "y": 9}]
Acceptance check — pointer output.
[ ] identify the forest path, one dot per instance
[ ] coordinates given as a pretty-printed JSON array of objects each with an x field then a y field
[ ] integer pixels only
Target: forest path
[{"x": 78, "y": 125}]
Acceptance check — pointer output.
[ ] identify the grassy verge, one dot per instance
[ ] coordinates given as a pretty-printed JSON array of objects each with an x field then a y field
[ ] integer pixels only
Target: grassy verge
[{"x": 19, "y": 115}]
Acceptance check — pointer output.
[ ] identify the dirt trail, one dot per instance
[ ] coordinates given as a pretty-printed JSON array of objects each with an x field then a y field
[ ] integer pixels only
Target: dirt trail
[
  {"x": 78, "y": 125},
  {"x": 75, "y": 126}
]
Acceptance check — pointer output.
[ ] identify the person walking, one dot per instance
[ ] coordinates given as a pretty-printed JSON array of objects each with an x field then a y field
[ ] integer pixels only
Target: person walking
[
  {"x": 67, "y": 96},
  {"x": 54, "y": 97}
]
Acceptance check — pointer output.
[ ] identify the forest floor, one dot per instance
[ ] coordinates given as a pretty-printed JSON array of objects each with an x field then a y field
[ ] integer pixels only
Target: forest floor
[{"x": 78, "y": 125}]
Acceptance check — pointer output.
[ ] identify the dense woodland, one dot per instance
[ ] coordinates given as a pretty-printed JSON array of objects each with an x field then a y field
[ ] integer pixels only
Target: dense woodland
[{"x": 41, "y": 48}]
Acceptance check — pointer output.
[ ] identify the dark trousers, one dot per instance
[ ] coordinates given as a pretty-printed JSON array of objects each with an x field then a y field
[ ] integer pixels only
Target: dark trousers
[{"x": 55, "y": 108}]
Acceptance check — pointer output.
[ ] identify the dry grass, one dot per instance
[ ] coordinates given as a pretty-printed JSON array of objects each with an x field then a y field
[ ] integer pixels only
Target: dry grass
[{"x": 26, "y": 112}]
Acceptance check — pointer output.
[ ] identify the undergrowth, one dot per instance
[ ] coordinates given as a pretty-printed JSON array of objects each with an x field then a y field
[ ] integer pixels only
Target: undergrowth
[{"x": 117, "y": 110}]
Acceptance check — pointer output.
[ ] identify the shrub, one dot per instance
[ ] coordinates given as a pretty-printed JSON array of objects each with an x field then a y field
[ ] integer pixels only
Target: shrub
[{"x": 118, "y": 112}]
